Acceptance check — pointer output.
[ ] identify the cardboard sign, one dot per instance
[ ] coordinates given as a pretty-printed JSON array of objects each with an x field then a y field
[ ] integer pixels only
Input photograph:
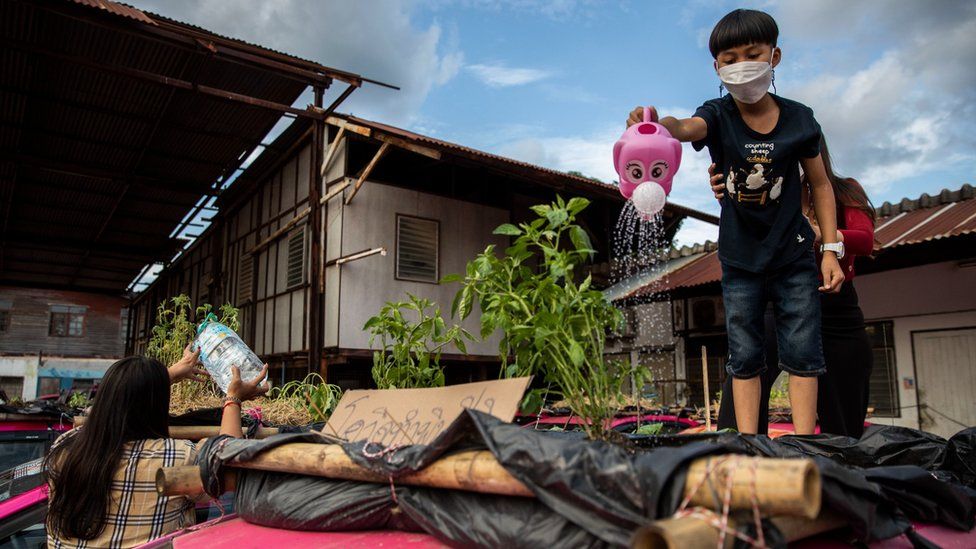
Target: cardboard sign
[{"x": 416, "y": 416}]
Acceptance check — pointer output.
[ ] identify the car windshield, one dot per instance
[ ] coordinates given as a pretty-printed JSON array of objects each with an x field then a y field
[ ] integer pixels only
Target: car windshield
[{"x": 21, "y": 455}]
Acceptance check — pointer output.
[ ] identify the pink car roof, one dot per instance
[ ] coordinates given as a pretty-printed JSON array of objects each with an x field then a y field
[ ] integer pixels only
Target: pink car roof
[
  {"x": 647, "y": 418},
  {"x": 232, "y": 532},
  {"x": 18, "y": 503},
  {"x": 39, "y": 425}
]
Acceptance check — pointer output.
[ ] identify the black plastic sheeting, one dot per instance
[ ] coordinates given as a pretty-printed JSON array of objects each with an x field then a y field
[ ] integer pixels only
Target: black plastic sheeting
[
  {"x": 40, "y": 409},
  {"x": 595, "y": 494}
]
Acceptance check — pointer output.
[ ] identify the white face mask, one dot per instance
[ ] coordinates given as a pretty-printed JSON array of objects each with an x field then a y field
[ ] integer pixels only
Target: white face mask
[{"x": 748, "y": 81}]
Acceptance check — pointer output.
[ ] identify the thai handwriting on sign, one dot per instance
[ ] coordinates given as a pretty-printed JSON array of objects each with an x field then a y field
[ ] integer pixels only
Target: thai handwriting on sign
[{"x": 417, "y": 416}]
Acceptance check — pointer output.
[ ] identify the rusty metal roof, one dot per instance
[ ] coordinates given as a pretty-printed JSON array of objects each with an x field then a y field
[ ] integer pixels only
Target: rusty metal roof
[
  {"x": 704, "y": 269},
  {"x": 927, "y": 218},
  {"x": 117, "y": 8},
  {"x": 908, "y": 222},
  {"x": 114, "y": 124}
]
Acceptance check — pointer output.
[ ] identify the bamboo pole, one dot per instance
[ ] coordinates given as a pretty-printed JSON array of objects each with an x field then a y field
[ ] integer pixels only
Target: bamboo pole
[
  {"x": 781, "y": 486},
  {"x": 472, "y": 471},
  {"x": 186, "y": 480},
  {"x": 708, "y": 397},
  {"x": 695, "y": 533},
  {"x": 479, "y": 471},
  {"x": 195, "y": 432}
]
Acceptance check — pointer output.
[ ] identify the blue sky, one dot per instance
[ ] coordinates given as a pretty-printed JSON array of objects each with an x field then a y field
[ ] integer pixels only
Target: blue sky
[{"x": 893, "y": 83}]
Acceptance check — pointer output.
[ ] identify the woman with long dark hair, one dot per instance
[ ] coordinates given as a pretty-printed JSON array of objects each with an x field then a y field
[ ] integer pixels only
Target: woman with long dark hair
[
  {"x": 842, "y": 400},
  {"x": 102, "y": 475}
]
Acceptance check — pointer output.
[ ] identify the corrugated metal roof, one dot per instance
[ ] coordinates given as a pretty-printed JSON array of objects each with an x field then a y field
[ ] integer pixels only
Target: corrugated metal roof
[
  {"x": 117, "y": 8},
  {"x": 927, "y": 218},
  {"x": 704, "y": 270},
  {"x": 99, "y": 166},
  {"x": 943, "y": 221},
  {"x": 641, "y": 283}
]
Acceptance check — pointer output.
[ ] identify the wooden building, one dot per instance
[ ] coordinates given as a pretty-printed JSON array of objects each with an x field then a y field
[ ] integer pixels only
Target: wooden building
[{"x": 399, "y": 211}]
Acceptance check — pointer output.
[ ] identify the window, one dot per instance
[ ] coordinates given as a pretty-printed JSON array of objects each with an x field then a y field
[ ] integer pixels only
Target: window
[
  {"x": 296, "y": 258},
  {"x": 245, "y": 279},
  {"x": 124, "y": 324},
  {"x": 48, "y": 386},
  {"x": 883, "y": 395},
  {"x": 417, "y": 248},
  {"x": 5, "y": 307},
  {"x": 67, "y": 321},
  {"x": 11, "y": 386}
]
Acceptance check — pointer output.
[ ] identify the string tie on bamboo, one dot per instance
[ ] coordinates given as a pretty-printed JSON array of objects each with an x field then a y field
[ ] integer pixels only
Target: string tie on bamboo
[
  {"x": 721, "y": 523},
  {"x": 383, "y": 454},
  {"x": 215, "y": 484}
]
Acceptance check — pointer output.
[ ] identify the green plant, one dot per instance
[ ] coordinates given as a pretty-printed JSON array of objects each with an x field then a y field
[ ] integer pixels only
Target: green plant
[
  {"x": 312, "y": 394},
  {"x": 411, "y": 349},
  {"x": 649, "y": 429},
  {"x": 79, "y": 400},
  {"x": 551, "y": 325}
]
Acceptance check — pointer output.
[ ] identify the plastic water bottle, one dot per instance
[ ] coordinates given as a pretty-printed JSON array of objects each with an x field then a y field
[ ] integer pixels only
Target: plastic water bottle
[{"x": 220, "y": 348}]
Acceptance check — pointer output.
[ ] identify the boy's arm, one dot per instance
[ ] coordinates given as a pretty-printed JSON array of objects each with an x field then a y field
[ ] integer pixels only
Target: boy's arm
[
  {"x": 682, "y": 129},
  {"x": 826, "y": 210}
]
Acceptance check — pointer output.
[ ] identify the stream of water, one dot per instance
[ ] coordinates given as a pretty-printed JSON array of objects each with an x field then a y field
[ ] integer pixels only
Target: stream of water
[{"x": 639, "y": 264}]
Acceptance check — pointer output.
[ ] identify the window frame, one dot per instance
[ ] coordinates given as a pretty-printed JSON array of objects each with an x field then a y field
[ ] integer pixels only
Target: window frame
[
  {"x": 70, "y": 314},
  {"x": 437, "y": 250}
]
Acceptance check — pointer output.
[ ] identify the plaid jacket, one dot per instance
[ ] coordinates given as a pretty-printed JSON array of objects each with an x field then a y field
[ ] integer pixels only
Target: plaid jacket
[{"x": 137, "y": 514}]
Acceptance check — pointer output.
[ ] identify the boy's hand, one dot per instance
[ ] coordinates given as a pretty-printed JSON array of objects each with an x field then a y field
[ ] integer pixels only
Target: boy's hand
[
  {"x": 833, "y": 275},
  {"x": 637, "y": 115},
  {"x": 718, "y": 187}
]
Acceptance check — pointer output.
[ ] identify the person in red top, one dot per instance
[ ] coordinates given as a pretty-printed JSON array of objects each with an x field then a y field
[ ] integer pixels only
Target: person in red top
[{"x": 842, "y": 400}]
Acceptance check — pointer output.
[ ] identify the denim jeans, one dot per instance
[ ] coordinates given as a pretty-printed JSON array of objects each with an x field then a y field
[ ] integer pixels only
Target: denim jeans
[{"x": 792, "y": 290}]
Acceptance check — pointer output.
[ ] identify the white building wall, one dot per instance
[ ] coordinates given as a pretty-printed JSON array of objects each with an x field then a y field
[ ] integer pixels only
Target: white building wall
[
  {"x": 24, "y": 367},
  {"x": 27, "y": 367},
  {"x": 930, "y": 297},
  {"x": 368, "y": 222}
]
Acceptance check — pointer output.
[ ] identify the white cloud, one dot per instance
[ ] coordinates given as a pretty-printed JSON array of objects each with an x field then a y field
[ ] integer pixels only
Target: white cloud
[
  {"x": 693, "y": 232},
  {"x": 887, "y": 116},
  {"x": 498, "y": 75},
  {"x": 375, "y": 38},
  {"x": 559, "y": 10}
]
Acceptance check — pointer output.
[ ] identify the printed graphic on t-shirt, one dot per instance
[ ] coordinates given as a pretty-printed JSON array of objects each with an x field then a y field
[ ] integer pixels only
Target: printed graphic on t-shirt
[{"x": 757, "y": 184}]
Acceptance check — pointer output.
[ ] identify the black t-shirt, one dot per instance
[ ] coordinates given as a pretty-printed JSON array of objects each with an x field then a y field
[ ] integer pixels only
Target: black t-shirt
[{"x": 762, "y": 226}]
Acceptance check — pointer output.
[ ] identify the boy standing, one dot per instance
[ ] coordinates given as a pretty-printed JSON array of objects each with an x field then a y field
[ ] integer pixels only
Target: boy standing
[{"x": 765, "y": 245}]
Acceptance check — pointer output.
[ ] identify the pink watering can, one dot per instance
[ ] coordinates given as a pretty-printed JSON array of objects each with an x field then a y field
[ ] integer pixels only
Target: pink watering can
[{"x": 646, "y": 158}]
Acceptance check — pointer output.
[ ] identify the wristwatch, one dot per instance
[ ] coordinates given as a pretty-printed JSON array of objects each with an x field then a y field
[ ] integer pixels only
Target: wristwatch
[{"x": 836, "y": 247}]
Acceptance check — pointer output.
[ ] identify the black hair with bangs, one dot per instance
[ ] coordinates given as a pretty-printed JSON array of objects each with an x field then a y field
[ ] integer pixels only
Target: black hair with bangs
[{"x": 741, "y": 28}]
